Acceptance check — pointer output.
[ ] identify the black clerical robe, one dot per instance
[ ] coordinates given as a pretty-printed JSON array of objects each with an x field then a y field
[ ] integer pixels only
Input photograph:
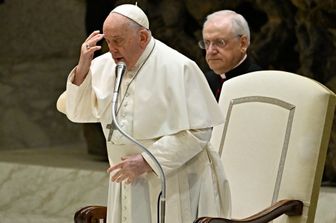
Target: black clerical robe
[{"x": 215, "y": 81}]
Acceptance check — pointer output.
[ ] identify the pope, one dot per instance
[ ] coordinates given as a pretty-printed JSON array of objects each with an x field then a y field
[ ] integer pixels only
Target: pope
[{"x": 166, "y": 105}]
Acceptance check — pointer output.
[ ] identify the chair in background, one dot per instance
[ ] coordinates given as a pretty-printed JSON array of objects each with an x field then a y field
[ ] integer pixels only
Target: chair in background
[
  {"x": 273, "y": 145},
  {"x": 91, "y": 214}
]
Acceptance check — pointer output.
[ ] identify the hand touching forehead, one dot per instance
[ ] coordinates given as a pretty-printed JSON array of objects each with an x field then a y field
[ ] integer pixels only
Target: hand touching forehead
[{"x": 123, "y": 39}]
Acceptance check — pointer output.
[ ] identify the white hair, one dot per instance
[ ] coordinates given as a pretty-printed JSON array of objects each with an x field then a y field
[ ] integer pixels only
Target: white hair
[{"x": 239, "y": 23}]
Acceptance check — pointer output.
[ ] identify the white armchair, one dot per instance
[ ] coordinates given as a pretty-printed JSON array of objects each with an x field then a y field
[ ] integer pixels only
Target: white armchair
[{"x": 273, "y": 145}]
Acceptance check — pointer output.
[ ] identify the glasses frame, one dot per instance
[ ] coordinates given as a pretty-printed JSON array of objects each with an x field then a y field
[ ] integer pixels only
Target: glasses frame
[{"x": 217, "y": 43}]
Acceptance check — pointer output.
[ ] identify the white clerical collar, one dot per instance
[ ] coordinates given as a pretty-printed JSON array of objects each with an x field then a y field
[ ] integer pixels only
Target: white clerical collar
[
  {"x": 223, "y": 76},
  {"x": 241, "y": 61}
]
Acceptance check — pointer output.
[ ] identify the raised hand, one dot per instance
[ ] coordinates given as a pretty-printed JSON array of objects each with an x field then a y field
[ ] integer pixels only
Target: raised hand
[{"x": 87, "y": 52}]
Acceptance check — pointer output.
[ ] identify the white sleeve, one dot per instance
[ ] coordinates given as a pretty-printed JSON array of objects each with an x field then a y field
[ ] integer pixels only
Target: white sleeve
[
  {"x": 173, "y": 151},
  {"x": 79, "y": 100}
]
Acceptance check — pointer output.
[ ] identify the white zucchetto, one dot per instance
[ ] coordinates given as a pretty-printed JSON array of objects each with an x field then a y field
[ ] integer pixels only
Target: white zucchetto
[{"x": 134, "y": 13}]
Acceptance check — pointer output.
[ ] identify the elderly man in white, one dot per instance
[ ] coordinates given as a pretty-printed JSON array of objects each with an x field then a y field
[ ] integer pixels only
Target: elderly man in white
[{"x": 166, "y": 105}]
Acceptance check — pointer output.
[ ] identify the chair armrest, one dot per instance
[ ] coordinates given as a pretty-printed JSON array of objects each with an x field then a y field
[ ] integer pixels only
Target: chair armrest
[
  {"x": 91, "y": 214},
  {"x": 288, "y": 207}
]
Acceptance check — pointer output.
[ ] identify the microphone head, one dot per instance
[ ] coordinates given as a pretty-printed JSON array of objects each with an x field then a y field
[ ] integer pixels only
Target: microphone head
[
  {"x": 120, "y": 70},
  {"x": 121, "y": 64}
]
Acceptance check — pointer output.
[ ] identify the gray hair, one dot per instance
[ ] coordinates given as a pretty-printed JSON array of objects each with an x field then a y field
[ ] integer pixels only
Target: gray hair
[
  {"x": 136, "y": 26},
  {"x": 239, "y": 23}
]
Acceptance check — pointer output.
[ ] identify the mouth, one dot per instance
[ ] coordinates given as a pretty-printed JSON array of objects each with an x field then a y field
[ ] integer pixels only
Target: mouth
[
  {"x": 117, "y": 59},
  {"x": 212, "y": 59}
]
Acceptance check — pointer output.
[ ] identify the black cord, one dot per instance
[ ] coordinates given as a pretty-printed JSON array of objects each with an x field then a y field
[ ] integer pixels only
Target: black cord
[{"x": 158, "y": 207}]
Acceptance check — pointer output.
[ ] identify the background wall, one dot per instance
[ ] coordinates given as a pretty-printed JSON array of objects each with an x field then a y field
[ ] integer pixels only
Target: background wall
[{"x": 40, "y": 43}]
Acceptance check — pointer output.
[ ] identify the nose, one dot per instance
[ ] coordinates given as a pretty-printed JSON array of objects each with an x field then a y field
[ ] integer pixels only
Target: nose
[
  {"x": 112, "y": 49},
  {"x": 211, "y": 49}
]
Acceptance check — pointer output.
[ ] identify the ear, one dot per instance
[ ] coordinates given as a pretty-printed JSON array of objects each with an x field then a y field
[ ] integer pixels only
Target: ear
[
  {"x": 144, "y": 38},
  {"x": 244, "y": 44}
]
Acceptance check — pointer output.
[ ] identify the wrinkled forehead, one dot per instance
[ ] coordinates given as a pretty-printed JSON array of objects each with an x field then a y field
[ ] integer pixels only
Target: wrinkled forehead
[
  {"x": 116, "y": 24},
  {"x": 215, "y": 28}
]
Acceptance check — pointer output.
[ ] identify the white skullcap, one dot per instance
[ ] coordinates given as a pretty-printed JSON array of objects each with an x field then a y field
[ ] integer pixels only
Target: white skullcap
[{"x": 134, "y": 13}]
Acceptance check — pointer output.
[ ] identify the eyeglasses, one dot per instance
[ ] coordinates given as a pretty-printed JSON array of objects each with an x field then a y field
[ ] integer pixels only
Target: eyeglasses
[{"x": 218, "y": 43}]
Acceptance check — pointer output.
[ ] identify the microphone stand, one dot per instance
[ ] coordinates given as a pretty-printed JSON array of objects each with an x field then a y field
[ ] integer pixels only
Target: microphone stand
[{"x": 115, "y": 124}]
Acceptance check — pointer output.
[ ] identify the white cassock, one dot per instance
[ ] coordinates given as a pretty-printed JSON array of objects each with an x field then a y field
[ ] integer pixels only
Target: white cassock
[{"x": 165, "y": 104}]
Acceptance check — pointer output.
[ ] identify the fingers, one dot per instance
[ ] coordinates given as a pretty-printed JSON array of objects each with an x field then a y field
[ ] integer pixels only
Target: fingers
[
  {"x": 87, "y": 53},
  {"x": 114, "y": 167},
  {"x": 94, "y": 33},
  {"x": 90, "y": 43},
  {"x": 121, "y": 175},
  {"x": 129, "y": 169},
  {"x": 122, "y": 172},
  {"x": 118, "y": 175}
]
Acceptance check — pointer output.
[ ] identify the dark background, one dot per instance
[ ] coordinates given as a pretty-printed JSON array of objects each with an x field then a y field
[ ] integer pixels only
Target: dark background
[{"x": 41, "y": 39}]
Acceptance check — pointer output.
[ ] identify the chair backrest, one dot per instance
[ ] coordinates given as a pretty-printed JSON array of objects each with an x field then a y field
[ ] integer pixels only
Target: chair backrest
[{"x": 274, "y": 140}]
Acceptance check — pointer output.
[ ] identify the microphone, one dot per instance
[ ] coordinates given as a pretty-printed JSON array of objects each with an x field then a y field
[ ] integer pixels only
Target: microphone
[{"x": 119, "y": 72}]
